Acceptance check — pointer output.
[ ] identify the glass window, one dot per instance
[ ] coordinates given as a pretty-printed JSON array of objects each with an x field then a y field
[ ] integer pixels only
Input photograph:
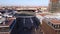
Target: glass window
[
  {"x": 52, "y": 24},
  {"x": 59, "y": 1},
  {"x": 49, "y": 23},
  {"x": 55, "y": 26}
]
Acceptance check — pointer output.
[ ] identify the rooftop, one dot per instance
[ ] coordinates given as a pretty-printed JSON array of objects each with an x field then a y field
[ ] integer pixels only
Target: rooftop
[{"x": 55, "y": 21}]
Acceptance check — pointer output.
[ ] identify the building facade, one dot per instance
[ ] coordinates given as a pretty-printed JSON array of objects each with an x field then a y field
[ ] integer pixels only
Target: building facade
[
  {"x": 54, "y": 5},
  {"x": 51, "y": 26}
]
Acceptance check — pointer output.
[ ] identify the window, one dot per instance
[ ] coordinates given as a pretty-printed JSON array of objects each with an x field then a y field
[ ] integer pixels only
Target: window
[
  {"x": 55, "y": 26},
  {"x": 59, "y": 26},
  {"x": 52, "y": 24},
  {"x": 59, "y": 1},
  {"x": 49, "y": 23}
]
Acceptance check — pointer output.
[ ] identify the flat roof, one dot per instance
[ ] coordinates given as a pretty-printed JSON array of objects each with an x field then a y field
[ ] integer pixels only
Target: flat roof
[{"x": 55, "y": 21}]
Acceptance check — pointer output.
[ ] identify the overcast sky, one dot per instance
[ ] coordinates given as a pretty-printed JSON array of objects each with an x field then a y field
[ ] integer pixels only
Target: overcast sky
[{"x": 24, "y": 2}]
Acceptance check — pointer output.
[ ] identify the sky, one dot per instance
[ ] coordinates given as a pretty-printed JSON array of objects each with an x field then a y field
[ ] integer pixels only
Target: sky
[{"x": 24, "y": 2}]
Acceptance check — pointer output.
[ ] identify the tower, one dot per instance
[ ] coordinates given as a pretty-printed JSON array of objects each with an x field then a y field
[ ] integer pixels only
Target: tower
[{"x": 54, "y": 5}]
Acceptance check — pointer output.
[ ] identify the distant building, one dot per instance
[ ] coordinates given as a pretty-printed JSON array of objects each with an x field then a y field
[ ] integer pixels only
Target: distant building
[
  {"x": 23, "y": 7},
  {"x": 54, "y": 5}
]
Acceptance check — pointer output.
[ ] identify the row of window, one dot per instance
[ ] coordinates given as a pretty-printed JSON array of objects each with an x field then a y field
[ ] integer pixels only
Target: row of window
[{"x": 56, "y": 26}]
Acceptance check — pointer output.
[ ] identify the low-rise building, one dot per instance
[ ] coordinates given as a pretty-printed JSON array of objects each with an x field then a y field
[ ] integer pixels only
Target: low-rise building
[{"x": 51, "y": 26}]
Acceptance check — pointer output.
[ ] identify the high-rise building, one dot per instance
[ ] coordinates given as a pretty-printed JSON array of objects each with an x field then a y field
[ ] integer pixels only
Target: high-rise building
[
  {"x": 54, "y": 5},
  {"x": 51, "y": 26}
]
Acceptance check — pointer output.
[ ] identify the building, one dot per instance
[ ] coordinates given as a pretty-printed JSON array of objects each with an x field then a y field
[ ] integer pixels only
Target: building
[
  {"x": 24, "y": 7},
  {"x": 54, "y": 5},
  {"x": 51, "y": 26}
]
